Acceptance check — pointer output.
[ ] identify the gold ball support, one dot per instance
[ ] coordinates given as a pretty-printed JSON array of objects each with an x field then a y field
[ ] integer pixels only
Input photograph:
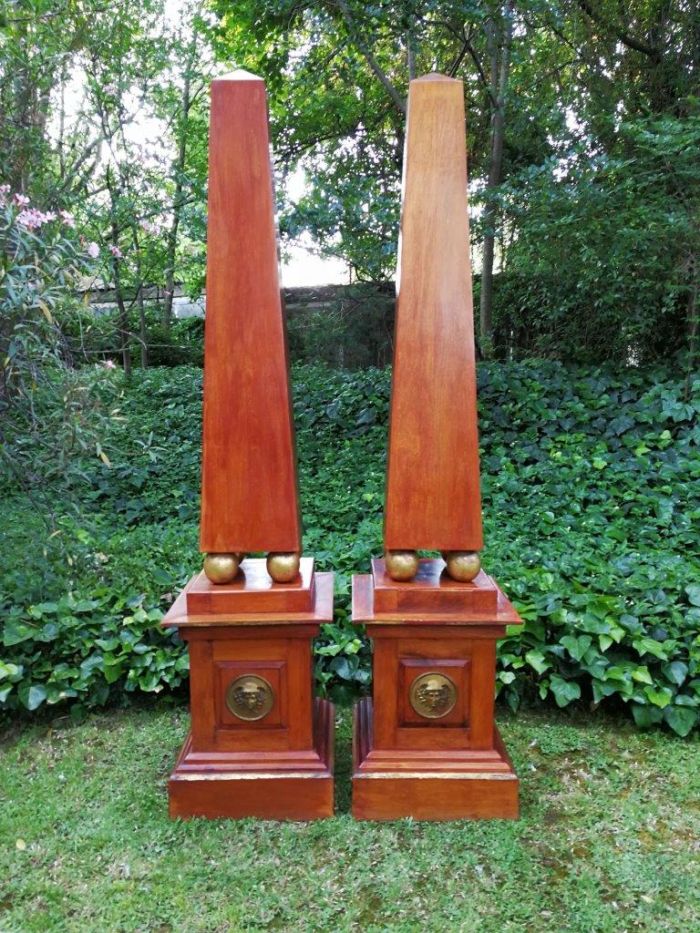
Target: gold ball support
[
  {"x": 283, "y": 568},
  {"x": 401, "y": 566},
  {"x": 462, "y": 566},
  {"x": 221, "y": 568}
]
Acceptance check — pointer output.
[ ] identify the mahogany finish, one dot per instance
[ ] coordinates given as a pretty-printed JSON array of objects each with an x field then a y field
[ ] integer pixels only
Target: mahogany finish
[
  {"x": 260, "y": 744},
  {"x": 249, "y": 484},
  {"x": 432, "y": 786},
  {"x": 432, "y": 499},
  {"x": 322, "y": 604},
  {"x": 278, "y": 786},
  {"x": 276, "y": 767},
  {"x": 432, "y": 590},
  {"x": 441, "y": 608},
  {"x": 396, "y": 749},
  {"x": 253, "y": 591},
  {"x": 426, "y": 745}
]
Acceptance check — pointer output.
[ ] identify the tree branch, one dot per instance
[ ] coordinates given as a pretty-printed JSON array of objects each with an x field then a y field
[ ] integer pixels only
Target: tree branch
[
  {"x": 480, "y": 70},
  {"x": 620, "y": 33},
  {"x": 371, "y": 60}
]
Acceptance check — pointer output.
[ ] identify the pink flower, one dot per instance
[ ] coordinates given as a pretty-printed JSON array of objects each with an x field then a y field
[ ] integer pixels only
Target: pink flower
[
  {"x": 20, "y": 200},
  {"x": 116, "y": 252},
  {"x": 109, "y": 364},
  {"x": 32, "y": 219},
  {"x": 110, "y": 89},
  {"x": 4, "y": 191},
  {"x": 29, "y": 219},
  {"x": 67, "y": 218},
  {"x": 93, "y": 250},
  {"x": 150, "y": 226}
]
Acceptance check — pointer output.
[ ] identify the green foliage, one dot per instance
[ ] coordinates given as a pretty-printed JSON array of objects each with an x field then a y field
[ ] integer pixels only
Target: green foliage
[
  {"x": 604, "y": 264},
  {"x": 597, "y": 239},
  {"x": 104, "y": 110},
  {"x": 95, "y": 336},
  {"x": 49, "y": 415},
  {"x": 353, "y": 329},
  {"x": 591, "y": 487}
]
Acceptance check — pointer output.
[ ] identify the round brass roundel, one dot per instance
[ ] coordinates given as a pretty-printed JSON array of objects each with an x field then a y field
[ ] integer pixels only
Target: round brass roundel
[
  {"x": 250, "y": 697},
  {"x": 433, "y": 695}
]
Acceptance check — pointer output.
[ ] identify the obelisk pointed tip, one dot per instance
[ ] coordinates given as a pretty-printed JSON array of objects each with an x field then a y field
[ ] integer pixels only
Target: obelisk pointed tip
[
  {"x": 239, "y": 75},
  {"x": 435, "y": 76}
]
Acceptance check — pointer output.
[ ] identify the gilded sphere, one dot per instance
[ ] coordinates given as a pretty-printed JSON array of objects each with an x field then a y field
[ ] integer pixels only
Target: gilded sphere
[
  {"x": 401, "y": 565},
  {"x": 462, "y": 565},
  {"x": 283, "y": 568},
  {"x": 221, "y": 568}
]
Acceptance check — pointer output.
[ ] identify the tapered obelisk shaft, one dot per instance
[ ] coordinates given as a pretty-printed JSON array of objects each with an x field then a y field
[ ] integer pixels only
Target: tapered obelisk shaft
[
  {"x": 433, "y": 499},
  {"x": 249, "y": 488}
]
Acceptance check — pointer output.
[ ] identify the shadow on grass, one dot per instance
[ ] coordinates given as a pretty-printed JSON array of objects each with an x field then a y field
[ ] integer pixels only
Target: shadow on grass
[{"x": 343, "y": 759}]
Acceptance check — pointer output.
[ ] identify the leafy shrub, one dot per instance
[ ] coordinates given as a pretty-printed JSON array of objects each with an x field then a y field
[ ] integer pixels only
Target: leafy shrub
[
  {"x": 591, "y": 486},
  {"x": 580, "y": 287},
  {"x": 347, "y": 326},
  {"x": 48, "y": 417},
  {"x": 96, "y": 337}
]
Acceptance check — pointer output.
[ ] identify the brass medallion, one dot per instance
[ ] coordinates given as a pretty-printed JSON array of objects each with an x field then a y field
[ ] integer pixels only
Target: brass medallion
[
  {"x": 250, "y": 697},
  {"x": 433, "y": 695}
]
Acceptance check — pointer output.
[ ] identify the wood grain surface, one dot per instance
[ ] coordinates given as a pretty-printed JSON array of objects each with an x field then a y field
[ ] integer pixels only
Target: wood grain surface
[
  {"x": 278, "y": 766},
  {"x": 407, "y": 763},
  {"x": 433, "y": 500},
  {"x": 292, "y": 785},
  {"x": 249, "y": 485},
  {"x": 253, "y": 590},
  {"x": 435, "y": 785},
  {"x": 432, "y": 591}
]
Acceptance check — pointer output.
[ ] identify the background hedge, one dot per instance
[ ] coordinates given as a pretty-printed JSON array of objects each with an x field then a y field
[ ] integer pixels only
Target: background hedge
[{"x": 591, "y": 488}]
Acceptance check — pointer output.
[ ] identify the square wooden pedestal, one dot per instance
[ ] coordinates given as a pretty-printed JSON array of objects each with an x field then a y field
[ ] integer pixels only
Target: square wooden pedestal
[
  {"x": 260, "y": 744},
  {"x": 426, "y": 745}
]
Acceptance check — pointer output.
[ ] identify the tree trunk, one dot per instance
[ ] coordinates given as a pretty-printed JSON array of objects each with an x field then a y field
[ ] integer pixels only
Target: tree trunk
[
  {"x": 693, "y": 325},
  {"x": 123, "y": 316},
  {"x": 143, "y": 334},
  {"x": 500, "y": 61},
  {"x": 179, "y": 170},
  {"x": 123, "y": 321}
]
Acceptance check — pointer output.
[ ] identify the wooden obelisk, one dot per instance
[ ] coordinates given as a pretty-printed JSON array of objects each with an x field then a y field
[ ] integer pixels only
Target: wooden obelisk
[
  {"x": 260, "y": 744},
  {"x": 425, "y": 744},
  {"x": 432, "y": 494}
]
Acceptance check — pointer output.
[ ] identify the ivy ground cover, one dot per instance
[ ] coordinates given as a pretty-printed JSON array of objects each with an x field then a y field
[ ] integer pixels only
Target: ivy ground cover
[{"x": 591, "y": 494}]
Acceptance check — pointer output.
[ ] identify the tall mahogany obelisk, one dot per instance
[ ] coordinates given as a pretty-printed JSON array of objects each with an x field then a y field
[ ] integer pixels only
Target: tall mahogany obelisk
[
  {"x": 432, "y": 497},
  {"x": 260, "y": 744},
  {"x": 249, "y": 487},
  {"x": 425, "y": 744}
]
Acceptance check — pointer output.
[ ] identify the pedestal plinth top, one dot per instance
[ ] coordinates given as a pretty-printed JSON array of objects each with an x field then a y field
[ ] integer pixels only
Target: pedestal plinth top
[
  {"x": 431, "y": 597},
  {"x": 253, "y": 590},
  {"x": 432, "y": 590},
  {"x": 254, "y": 600}
]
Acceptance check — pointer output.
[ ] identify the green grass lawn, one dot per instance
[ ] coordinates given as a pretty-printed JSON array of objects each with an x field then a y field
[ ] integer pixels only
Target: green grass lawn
[{"x": 609, "y": 840}]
